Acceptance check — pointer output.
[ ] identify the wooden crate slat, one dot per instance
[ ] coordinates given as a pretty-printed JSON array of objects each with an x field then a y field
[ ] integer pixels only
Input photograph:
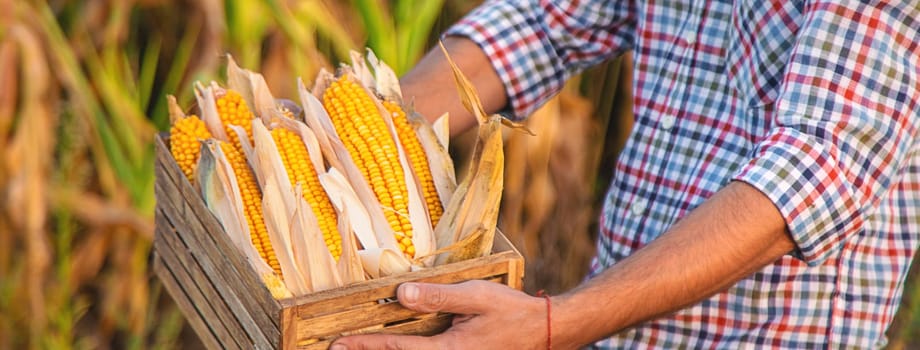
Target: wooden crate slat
[
  {"x": 356, "y": 319},
  {"x": 428, "y": 324},
  {"x": 230, "y": 280},
  {"x": 515, "y": 270},
  {"x": 202, "y": 231},
  {"x": 220, "y": 296},
  {"x": 425, "y": 326},
  {"x": 382, "y": 288},
  {"x": 198, "y": 298},
  {"x": 188, "y": 309},
  {"x": 343, "y": 299}
]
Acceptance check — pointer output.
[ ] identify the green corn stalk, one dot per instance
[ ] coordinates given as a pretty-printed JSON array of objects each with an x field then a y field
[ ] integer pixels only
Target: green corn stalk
[
  {"x": 414, "y": 22},
  {"x": 124, "y": 148},
  {"x": 380, "y": 29},
  {"x": 399, "y": 39},
  {"x": 247, "y": 24},
  {"x": 173, "y": 80},
  {"x": 318, "y": 15}
]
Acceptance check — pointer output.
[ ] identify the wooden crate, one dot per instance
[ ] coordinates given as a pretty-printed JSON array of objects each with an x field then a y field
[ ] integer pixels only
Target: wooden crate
[{"x": 227, "y": 305}]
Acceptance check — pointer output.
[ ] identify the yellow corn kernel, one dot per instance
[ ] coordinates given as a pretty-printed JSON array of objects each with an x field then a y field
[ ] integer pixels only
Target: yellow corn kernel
[
  {"x": 276, "y": 286},
  {"x": 366, "y": 137},
  {"x": 252, "y": 204},
  {"x": 183, "y": 143},
  {"x": 300, "y": 170},
  {"x": 413, "y": 147},
  {"x": 232, "y": 110}
]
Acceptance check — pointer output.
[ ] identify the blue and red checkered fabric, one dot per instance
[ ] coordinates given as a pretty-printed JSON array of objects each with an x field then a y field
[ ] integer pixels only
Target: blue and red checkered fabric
[{"x": 815, "y": 103}]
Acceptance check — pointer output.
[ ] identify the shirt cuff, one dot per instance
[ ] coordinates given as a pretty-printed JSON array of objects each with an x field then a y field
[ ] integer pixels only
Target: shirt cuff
[
  {"x": 800, "y": 174},
  {"x": 523, "y": 58}
]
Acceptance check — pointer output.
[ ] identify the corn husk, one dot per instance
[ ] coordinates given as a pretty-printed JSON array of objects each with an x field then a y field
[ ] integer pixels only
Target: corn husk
[
  {"x": 344, "y": 199},
  {"x": 360, "y": 69},
  {"x": 348, "y": 263},
  {"x": 314, "y": 114},
  {"x": 440, "y": 163},
  {"x": 254, "y": 89},
  {"x": 385, "y": 83},
  {"x": 309, "y": 248},
  {"x": 349, "y": 266},
  {"x": 441, "y": 129},
  {"x": 422, "y": 232},
  {"x": 206, "y": 96},
  {"x": 369, "y": 249},
  {"x": 380, "y": 262},
  {"x": 175, "y": 111},
  {"x": 221, "y": 195},
  {"x": 320, "y": 122},
  {"x": 467, "y": 229},
  {"x": 293, "y": 223},
  {"x": 238, "y": 79}
]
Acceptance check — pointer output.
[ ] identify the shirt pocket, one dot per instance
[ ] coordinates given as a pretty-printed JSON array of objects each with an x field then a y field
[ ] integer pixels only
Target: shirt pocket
[{"x": 761, "y": 39}]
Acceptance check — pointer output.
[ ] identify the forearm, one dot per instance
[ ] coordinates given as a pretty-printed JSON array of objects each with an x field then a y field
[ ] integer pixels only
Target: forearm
[
  {"x": 430, "y": 85},
  {"x": 730, "y": 236}
]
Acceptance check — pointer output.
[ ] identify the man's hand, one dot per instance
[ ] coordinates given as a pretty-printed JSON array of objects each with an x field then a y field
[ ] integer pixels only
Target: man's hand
[{"x": 489, "y": 316}]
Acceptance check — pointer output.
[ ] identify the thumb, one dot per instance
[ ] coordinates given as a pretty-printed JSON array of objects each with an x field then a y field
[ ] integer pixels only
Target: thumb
[
  {"x": 468, "y": 298},
  {"x": 385, "y": 342}
]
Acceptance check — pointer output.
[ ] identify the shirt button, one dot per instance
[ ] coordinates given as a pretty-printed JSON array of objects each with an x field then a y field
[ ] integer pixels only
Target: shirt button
[
  {"x": 638, "y": 207},
  {"x": 667, "y": 122},
  {"x": 690, "y": 37}
]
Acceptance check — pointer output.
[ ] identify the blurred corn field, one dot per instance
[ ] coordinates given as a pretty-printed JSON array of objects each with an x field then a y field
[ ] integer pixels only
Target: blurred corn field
[{"x": 82, "y": 93}]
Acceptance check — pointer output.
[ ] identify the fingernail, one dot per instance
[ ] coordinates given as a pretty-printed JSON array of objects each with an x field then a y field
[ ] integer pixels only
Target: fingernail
[
  {"x": 338, "y": 347},
  {"x": 410, "y": 292}
]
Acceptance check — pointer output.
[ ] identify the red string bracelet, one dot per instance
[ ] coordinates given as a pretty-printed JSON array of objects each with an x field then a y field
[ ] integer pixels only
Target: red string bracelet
[{"x": 549, "y": 318}]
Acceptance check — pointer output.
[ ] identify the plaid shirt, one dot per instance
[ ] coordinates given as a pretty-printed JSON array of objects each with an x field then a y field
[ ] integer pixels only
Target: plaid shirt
[{"x": 814, "y": 103}]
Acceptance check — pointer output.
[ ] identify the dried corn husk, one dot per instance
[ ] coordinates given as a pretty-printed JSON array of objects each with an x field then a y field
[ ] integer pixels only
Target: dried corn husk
[
  {"x": 206, "y": 96},
  {"x": 254, "y": 89},
  {"x": 175, "y": 111},
  {"x": 467, "y": 228},
  {"x": 349, "y": 246},
  {"x": 314, "y": 114},
  {"x": 386, "y": 84},
  {"x": 221, "y": 194},
  {"x": 344, "y": 199},
  {"x": 349, "y": 266},
  {"x": 439, "y": 161},
  {"x": 294, "y": 224}
]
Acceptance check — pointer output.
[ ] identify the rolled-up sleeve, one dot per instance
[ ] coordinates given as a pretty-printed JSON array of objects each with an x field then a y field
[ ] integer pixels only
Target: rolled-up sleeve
[
  {"x": 536, "y": 45},
  {"x": 847, "y": 117}
]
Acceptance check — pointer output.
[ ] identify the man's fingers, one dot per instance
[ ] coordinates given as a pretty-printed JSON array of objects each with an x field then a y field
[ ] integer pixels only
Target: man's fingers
[
  {"x": 384, "y": 342},
  {"x": 468, "y": 298}
]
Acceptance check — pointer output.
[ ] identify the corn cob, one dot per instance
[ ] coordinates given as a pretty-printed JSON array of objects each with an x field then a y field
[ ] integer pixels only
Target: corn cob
[
  {"x": 413, "y": 147},
  {"x": 367, "y": 138},
  {"x": 183, "y": 143},
  {"x": 233, "y": 110},
  {"x": 300, "y": 170},
  {"x": 252, "y": 203}
]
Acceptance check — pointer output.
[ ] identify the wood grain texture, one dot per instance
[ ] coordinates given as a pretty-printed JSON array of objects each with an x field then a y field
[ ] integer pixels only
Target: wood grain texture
[
  {"x": 237, "y": 294},
  {"x": 188, "y": 309},
  {"x": 199, "y": 300},
  {"x": 220, "y": 295},
  {"x": 427, "y": 325}
]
